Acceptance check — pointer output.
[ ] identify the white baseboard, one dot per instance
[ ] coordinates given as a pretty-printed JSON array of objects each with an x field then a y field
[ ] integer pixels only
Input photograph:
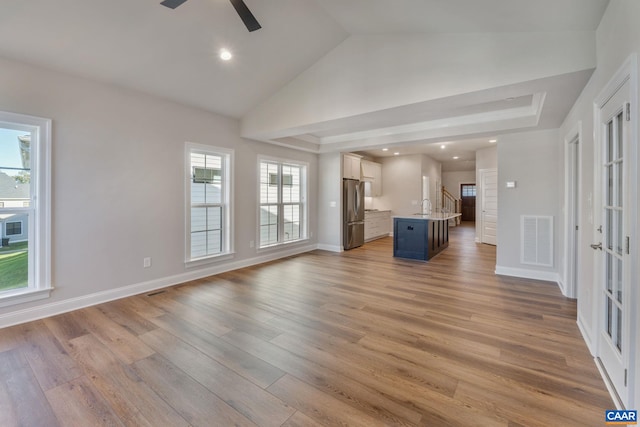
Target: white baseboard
[
  {"x": 610, "y": 387},
  {"x": 549, "y": 276},
  {"x": 478, "y": 240},
  {"x": 562, "y": 286},
  {"x": 586, "y": 335},
  {"x": 330, "y": 248},
  {"x": 59, "y": 307}
]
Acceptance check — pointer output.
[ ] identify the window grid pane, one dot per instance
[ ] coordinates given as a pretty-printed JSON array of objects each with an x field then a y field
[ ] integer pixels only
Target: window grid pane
[
  {"x": 281, "y": 203},
  {"x": 15, "y": 196},
  {"x": 208, "y": 182}
]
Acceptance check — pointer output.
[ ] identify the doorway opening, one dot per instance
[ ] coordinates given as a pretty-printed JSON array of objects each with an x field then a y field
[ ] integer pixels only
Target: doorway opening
[{"x": 468, "y": 202}]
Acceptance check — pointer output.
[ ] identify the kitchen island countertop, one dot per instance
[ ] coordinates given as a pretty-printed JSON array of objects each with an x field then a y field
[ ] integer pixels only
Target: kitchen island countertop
[{"x": 432, "y": 217}]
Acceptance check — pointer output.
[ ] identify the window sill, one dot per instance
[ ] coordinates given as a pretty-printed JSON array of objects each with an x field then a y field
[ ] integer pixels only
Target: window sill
[
  {"x": 282, "y": 245},
  {"x": 209, "y": 260},
  {"x": 23, "y": 295}
]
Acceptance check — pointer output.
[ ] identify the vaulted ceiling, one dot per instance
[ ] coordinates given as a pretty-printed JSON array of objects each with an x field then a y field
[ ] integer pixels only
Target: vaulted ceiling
[{"x": 324, "y": 75}]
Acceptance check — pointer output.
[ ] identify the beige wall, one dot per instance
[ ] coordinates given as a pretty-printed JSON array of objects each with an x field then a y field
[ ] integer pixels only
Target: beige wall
[{"x": 452, "y": 180}]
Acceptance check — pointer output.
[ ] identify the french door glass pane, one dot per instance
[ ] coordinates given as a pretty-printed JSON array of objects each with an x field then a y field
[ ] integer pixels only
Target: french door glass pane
[
  {"x": 609, "y": 271},
  {"x": 609, "y": 317}
]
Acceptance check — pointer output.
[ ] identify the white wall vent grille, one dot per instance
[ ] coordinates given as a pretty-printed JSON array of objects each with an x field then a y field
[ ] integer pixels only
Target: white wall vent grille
[{"x": 536, "y": 237}]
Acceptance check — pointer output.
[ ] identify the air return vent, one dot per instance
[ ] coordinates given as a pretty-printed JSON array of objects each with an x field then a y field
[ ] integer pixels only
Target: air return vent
[{"x": 536, "y": 235}]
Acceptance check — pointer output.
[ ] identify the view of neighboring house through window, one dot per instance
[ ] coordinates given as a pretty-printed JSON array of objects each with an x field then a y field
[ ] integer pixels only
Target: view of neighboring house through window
[
  {"x": 24, "y": 207},
  {"x": 282, "y": 202},
  {"x": 209, "y": 186}
]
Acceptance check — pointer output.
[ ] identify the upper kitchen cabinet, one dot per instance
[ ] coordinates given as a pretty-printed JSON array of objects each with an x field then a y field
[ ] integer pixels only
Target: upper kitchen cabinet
[
  {"x": 372, "y": 172},
  {"x": 351, "y": 166}
]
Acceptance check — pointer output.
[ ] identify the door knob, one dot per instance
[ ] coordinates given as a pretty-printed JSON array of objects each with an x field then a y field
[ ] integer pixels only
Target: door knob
[{"x": 598, "y": 246}]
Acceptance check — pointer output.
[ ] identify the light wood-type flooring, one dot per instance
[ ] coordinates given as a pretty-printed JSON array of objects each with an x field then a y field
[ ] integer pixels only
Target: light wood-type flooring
[{"x": 357, "y": 338}]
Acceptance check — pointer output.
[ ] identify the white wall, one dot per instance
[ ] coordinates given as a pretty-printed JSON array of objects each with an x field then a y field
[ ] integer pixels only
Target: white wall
[
  {"x": 118, "y": 183},
  {"x": 452, "y": 180},
  {"x": 330, "y": 201},
  {"x": 530, "y": 159},
  {"x": 401, "y": 184},
  {"x": 374, "y": 72},
  {"x": 617, "y": 37},
  {"x": 486, "y": 158},
  {"x": 433, "y": 170}
]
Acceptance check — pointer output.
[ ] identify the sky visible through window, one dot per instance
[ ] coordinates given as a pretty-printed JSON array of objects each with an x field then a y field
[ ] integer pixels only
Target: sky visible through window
[{"x": 10, "y": 150}]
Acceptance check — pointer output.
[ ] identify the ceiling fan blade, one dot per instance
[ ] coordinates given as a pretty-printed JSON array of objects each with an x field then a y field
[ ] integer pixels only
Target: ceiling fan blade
[
  {"x": 245, "y": 14},
  {"x": 172, "y": 4}
]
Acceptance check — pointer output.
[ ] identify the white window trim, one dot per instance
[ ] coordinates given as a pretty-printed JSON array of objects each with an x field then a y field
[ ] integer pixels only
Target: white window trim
[
  {"x": 305, "y": 204},
  {"x": 228, "y": 225},
  {"x": 39, "y": 230}
]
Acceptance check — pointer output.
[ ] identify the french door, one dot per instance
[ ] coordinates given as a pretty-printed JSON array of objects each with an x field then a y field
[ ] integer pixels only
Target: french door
[{"x": 614, "y": 338}]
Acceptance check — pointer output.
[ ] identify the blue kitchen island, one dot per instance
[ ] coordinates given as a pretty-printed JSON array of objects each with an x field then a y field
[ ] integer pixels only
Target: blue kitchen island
[{"x": 421, "y": 236}]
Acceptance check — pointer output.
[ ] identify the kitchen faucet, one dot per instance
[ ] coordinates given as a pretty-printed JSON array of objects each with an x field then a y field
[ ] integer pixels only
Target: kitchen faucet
[{"x": 430, "y": 206}]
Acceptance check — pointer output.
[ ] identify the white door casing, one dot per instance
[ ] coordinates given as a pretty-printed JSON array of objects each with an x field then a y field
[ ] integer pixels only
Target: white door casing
[
  {"x": 489, "y": 208},
  {"x": 572, "y": 150}
]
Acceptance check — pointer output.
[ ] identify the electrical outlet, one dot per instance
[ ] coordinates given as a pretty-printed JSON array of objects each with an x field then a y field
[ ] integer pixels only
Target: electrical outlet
[
  {"x": 146, "y": 262},
  {"x": 252, "y": 244}
]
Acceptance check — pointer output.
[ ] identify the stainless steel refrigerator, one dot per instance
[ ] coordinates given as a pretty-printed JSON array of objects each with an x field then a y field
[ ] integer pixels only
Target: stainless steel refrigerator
[{"x": 353, "y": 215}]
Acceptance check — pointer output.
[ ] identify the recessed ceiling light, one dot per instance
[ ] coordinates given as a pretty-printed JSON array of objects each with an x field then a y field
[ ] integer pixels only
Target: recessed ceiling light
[
  {"x": 442, "y": 146},
  {"x": 455, "y": 157},
  {"x": 225, "y": 55},
  {"x": 385, "y": 149},
  {"x": 511, "y": 98},
  {"x": 396, "y": 154},
  {"x": 493, "y": 140}
]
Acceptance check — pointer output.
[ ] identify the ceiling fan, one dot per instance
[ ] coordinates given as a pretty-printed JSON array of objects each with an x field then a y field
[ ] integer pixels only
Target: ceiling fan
[{"x": 245, "y": 14}]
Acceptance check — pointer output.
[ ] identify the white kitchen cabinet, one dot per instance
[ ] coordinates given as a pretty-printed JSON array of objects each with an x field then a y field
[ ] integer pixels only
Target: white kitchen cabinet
[
  {"x": 372, "y": 173},
  {"x": 377, "y": 224},
  {"x": 351, "y": 166}
]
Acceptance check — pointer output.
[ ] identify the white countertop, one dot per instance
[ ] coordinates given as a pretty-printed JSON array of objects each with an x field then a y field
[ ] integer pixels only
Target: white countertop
[{"x": 432, "y": 217}]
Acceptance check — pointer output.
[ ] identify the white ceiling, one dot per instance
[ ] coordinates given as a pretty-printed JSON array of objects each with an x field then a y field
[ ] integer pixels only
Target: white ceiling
[
  {"x": 174, "y": 53},
  {"x": 143, "y": 45},
  {"x": 464, "y": 16}
]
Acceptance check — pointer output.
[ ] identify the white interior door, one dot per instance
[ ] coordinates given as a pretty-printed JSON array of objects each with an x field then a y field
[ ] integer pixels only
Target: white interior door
[
  {"x": 612, "y": 165},
  {"x": 489, "y": 195}
]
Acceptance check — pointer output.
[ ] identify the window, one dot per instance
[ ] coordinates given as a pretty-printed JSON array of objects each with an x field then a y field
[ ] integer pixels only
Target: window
[
  {"x": 283, "y": 210},
  {"x": 25, "y": 266},
  {"x": 209, "y": 208},
  {"x": 13, "y": 228},
  {"x": 468, "y": 190}
]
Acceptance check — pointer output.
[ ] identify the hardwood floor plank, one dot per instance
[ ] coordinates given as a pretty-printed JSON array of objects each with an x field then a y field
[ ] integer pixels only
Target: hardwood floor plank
[
  {"x": 319, "y": 406},
  {"x": 252, "y": 368},
  {"x": 301, "y": 420},
  {"x": 23, "y": 401},
  {"x": 430, "y": 398},
  {"x": 129, "y": 319},
  {"x": 78, "y": 404},
  {"x": 48, "y": 359},
  {"x": 167, "y": 303},
  {"x": 135, "y": 403},
  {"x": 189, "y": 398},
  {"x": 65, "y": 327},
  {"x": 245, "y": 397},
  {"x": 341, "y": 387},
  {"x": 126, "y": 346}
]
